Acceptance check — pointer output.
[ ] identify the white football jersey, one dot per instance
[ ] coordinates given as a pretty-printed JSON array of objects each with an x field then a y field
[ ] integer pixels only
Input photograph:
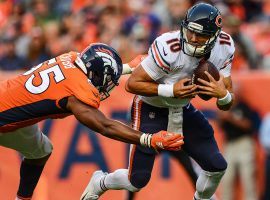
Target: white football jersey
[{"x": 166, "y": 63}]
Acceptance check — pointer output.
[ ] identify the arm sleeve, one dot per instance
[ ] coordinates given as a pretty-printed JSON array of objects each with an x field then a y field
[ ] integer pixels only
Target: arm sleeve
[
  {"x": 87, "y": 93},
  {"x": 82, "y": 89},
  {"x": 226, "y": 69},
  {"x": 152, "y": 69}
]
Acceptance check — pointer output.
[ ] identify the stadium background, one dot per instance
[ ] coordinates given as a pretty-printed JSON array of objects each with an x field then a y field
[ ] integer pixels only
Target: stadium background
[{"x": 40, "y": 29}]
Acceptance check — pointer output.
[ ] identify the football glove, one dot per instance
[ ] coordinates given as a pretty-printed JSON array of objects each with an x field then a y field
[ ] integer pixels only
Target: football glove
[{"x": 162, "y": 140}]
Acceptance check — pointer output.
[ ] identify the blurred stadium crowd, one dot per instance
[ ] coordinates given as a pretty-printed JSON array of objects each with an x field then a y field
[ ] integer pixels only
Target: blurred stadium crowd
[{"x": 32, "y": 31}]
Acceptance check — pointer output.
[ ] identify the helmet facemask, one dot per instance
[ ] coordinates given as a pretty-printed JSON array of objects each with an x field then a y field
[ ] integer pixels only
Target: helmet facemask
[
  {"x": 198, "y": 50},
  {"x": 104, "y": 82}
]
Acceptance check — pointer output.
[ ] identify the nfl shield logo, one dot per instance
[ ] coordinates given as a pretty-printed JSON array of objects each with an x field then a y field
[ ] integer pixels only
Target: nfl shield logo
[{"x": 152, "y": 115}]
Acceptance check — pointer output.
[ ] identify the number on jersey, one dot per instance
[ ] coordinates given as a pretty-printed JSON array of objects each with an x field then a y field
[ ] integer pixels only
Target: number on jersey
[
  {"x": 224, "y": 39},
  {"x": 44, "y": 75}
]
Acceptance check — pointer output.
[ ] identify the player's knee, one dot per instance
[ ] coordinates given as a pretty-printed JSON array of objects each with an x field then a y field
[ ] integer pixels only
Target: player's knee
[
  {"x": 217, "y": 163},
  {"x": 207, "y": 184},
  {"x": 140, "y": 179},
  {"x": 38, "y": 161},
  {"x": 41, "y": 149},
  {"x": 47, "y": 146},
  {"x": 45, "y": 149}
]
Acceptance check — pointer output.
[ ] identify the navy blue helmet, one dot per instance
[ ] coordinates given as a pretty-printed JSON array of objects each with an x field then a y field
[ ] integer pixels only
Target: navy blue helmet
[
  {"x": 203, "y": 19},
  {"x": 103, "y": 66}
]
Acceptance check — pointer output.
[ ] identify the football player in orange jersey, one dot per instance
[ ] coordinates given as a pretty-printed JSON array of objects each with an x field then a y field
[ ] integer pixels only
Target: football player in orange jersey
[{"x": 70, "y": 84}]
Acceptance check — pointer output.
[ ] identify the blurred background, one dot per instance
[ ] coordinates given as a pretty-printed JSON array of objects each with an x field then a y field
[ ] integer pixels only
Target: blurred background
[{"x": 32, "y": 31}]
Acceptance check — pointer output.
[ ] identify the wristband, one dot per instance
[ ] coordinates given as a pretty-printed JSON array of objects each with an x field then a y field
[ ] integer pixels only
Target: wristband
[
  {"x": 126, "y": 69},
  {"x": 165, "y": 90},
  {"x": 225, "y": 100},
  {"x": 145, "y": 140}
]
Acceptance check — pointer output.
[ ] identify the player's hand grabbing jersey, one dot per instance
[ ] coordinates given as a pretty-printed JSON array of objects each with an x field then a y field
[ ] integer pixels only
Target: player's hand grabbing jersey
[
  {"x": 167, "y": 63},
  {"x": 42, "y": 93}
]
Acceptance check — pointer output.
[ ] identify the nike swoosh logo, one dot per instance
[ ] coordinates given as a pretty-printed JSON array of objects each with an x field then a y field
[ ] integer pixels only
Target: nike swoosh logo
[{"x": 165, "y": 54}]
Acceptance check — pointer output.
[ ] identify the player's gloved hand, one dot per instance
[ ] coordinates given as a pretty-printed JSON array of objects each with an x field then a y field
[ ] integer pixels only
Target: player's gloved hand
[
  {"x": 130, "y": 66},
  {"x": 162, "y": 140}
]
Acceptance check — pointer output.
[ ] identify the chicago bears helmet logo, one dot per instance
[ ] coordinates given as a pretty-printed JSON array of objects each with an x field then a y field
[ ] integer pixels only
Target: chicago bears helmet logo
[{"x": 219, "y": 21}]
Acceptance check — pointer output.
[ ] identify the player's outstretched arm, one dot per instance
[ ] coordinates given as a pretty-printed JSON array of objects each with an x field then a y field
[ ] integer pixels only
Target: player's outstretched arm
[
  {"x": 97, "y": 121},
  {"x": 133, "y": 64}
]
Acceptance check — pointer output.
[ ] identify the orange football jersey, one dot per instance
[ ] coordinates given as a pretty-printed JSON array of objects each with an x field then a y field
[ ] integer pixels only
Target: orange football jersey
[{"x": 42, "y": 92}]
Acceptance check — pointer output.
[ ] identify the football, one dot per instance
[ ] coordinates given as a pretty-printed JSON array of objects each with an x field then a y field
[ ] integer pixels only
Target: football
[{"x": 199, "y": 73}]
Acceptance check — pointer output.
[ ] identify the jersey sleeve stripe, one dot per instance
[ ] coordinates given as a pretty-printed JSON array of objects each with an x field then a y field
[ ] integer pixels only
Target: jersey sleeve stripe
[
  {"x": 158, "y": 58},
  {"x": 161, "y": 55},
  {"x": 228, "y": 62}
]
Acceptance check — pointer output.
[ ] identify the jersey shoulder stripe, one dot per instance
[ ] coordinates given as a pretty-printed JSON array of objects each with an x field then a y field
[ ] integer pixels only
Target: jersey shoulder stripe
[
  {"x": 158, "y": 58},
  {"x": 227, "y": 62},
  {"x": 164, "y": 53}
]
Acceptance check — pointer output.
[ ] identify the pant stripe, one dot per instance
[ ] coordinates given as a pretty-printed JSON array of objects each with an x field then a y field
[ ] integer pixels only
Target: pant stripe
[
  {"x": 137, "y": 104},
  {"x": 136, "y": 122},
  {"x": 23, "y": 198}
]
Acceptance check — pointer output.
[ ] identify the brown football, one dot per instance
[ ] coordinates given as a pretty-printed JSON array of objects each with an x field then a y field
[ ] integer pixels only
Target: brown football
[{"x": 199, "y": 73}]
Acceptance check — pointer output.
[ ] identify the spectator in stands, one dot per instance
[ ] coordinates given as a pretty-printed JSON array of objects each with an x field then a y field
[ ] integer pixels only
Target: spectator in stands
[
  {"x": 109, "y": 33},
  {"x": 265, "y": 141},
  {"x": 42, "y": 12},
  {"x": 171, "y": 12},
  {"x": 141, "y": 13},
  {"x": 261, "y": 37},
  {"x": 139, "y": 39},
  {"x": 246, "y": 10},
  {"x": 37, "y": 50},
  {"x": 239, "y": 125},
  {"x": 246, "y": 53},
  {"x": 54, "y": 41},
  {"x": 9, "y": 60}
]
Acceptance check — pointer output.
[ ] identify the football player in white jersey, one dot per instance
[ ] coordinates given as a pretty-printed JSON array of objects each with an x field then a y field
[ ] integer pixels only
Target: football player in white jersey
[{"x": 163, "y": 97}]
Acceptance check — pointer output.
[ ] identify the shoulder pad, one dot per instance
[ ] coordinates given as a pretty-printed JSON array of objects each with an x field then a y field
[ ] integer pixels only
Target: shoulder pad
[{"x": 165, "y": 49}]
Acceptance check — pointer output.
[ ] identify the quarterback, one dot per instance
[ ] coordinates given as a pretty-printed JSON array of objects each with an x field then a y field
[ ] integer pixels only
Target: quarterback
[
  {"x": 161, "y": 85},
  {"x": 70, "y": 84}
]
